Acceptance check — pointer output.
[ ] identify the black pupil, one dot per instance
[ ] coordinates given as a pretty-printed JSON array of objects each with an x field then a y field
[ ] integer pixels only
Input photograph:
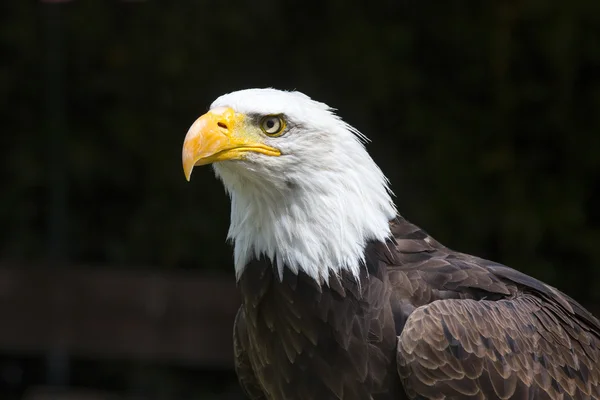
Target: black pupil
[{"x": 270, "y": 124}]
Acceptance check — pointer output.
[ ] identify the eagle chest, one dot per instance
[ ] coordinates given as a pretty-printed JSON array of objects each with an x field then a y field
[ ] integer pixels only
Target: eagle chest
[{"x": 306, "y": 340}]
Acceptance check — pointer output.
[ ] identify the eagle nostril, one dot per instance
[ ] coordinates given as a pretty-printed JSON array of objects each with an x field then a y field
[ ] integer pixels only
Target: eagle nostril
[{"x": 222, "y": 125}]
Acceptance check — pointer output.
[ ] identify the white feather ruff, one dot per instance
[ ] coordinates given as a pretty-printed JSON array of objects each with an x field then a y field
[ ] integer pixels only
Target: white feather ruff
[{"x": 313, "y": 208}]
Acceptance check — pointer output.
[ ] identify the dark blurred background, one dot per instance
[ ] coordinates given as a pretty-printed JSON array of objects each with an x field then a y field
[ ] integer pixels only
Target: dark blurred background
[{"x": 115, "y": 278}]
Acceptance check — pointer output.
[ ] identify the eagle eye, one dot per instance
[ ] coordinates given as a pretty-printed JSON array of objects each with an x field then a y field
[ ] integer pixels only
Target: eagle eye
[{"x": 272, "y": 125}]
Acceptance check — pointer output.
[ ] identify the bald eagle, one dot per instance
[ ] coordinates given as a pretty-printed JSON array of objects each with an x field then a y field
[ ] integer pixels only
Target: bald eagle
[{"x": 342, "y": 298}]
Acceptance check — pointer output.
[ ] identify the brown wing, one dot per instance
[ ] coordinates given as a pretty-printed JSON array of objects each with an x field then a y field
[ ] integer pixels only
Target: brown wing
[
  {"x": 471, "y": 328},
  {"x": 523, "y": 348},
  {"x": 243, "y": 368}
]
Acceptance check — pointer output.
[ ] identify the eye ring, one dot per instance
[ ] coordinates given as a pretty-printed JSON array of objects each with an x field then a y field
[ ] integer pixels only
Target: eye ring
[{"x": 272, "y": 125}]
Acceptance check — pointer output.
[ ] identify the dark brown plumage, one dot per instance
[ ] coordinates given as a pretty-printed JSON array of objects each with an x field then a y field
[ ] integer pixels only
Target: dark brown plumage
[{"x": 422, "y": 322}]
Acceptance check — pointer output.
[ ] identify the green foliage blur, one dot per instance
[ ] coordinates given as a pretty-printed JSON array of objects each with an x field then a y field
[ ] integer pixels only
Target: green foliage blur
[{"x": 484, "y": 115}]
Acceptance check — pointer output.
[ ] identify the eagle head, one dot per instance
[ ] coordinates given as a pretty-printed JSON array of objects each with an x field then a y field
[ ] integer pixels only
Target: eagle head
[{"x": 304, "y": 191}]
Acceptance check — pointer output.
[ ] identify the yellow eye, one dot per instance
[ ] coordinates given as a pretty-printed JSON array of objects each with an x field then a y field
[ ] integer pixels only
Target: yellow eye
[{"x": 272, "y": 125}]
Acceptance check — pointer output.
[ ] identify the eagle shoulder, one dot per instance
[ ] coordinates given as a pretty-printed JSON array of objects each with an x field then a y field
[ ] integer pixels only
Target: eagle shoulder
[{"x": 472, "y": 328}]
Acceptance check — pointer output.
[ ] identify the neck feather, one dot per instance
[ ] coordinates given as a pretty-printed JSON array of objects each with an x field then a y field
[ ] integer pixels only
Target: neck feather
[{"x": 317, "y": 221}]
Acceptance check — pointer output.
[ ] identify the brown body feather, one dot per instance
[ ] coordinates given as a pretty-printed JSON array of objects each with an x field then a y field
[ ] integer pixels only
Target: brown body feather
[{"x": 422, "y": 322}]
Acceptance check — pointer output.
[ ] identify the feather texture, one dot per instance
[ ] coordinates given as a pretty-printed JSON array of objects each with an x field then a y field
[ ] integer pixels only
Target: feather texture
[{"x": 423, "y": 322}]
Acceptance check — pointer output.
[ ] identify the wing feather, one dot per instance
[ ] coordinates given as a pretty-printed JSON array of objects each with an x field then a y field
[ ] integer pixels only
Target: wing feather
[
  {"x": 470, "y": 328},
  {"x": 243, "y": 368},
  {"x": 479, "y": 358}
]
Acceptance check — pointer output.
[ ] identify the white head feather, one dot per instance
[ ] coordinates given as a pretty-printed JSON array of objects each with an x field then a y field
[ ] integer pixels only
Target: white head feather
[{"x": 314, "y": 207}]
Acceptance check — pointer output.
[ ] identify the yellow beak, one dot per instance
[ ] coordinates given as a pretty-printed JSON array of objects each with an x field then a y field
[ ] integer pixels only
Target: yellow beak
[{"x": 220, "y": 135}]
